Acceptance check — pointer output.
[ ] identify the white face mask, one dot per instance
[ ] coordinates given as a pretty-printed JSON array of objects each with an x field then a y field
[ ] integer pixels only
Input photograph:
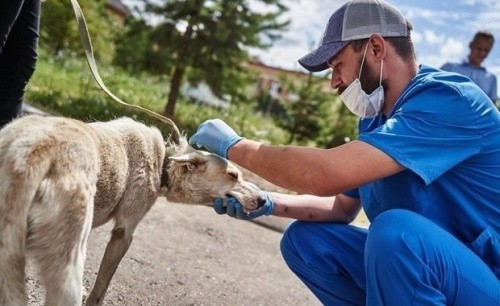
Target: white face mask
[{"x": 356, "y": 99}]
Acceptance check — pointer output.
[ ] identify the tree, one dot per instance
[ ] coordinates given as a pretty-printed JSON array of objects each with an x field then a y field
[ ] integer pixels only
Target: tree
[
  {"x": 208, "y": 39},
  {"x": 137, "y": 49},
  {"x": 341, "y": 127},
  {"x": 304, "y": 114},
  {"x": 316, "y": 116},
  {"x": 59, "y": 33}
]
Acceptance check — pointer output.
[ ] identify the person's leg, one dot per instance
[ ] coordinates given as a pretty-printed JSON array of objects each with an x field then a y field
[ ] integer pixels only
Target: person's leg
[
  {"x": 9, "y": 10},
  {"x": 19, "y": 26},
  {"x": 410, "y": 260},
  {"x": 328, "y": 258}
]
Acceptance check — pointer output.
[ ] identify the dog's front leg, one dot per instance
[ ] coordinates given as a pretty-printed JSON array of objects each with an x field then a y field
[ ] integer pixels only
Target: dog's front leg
[{"x": 121, "y": 238}]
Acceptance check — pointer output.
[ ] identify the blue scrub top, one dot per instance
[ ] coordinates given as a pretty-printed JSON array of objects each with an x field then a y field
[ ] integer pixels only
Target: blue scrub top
[{"x": 446, "y": 132}]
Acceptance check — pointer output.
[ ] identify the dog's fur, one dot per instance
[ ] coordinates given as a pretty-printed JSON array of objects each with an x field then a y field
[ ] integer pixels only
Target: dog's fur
[{"x": 60, "y": 177}]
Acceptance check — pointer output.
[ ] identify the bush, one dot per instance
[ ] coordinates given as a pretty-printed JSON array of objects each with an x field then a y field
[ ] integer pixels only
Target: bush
[{"x": 59, "y": 34}]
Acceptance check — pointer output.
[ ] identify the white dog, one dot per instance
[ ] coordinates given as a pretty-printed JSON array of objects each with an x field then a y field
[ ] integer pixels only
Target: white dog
[{"x": 60, "y": 177}]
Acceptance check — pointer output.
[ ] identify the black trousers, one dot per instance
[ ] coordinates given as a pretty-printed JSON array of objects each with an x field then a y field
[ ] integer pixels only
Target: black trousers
[{"x": 19, "y": 31}]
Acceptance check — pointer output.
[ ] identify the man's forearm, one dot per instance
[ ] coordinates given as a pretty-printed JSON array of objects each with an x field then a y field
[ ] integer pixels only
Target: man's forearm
[
  {"x": 311, "y": 208},
  {"x": 292, "y": 168},
  {"x": 321, "y": 172}
]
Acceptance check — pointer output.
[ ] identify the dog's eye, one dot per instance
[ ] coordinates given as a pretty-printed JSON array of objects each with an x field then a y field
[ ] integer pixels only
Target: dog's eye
[{"x": 233, "y": 175}]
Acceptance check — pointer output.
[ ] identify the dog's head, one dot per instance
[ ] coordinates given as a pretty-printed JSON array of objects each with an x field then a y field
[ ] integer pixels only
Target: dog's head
[{"x": 198, "y": 177}]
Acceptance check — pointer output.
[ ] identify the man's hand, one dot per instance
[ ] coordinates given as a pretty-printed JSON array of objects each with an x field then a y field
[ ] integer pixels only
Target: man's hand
[
  {"x": 235, "y": 209},
  {"x": 216, "y": 136}
]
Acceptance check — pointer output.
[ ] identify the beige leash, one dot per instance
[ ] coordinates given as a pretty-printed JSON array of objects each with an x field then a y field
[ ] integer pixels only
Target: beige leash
[{"x": 89, "y": 53}]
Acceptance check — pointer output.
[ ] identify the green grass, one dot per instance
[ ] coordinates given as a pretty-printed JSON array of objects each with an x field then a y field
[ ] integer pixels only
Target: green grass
[{"x": 64, "y": 86}]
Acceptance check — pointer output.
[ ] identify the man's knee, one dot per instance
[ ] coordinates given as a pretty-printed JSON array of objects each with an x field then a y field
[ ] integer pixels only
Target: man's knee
[
  {"x": 393, "y": 230},
  {"x": 306, "y": 240},
  {"x": 290, "y": 235}
]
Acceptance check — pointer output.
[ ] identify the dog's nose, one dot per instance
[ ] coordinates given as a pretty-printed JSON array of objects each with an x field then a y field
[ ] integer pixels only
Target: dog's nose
[{"x": 260, "y": 202}]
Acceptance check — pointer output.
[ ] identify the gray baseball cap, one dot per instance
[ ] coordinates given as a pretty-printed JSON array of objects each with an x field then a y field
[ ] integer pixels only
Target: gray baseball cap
[{"x": 357, "y": 19}]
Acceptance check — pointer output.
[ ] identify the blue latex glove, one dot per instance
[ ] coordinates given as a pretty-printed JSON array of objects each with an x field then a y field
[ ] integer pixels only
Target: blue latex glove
[
  {"x": 216, "y": 136},
  {"x": 235, "y": 209}
]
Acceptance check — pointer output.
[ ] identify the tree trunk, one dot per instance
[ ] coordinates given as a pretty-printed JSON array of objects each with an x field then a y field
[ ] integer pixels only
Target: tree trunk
[
  {"x": 174, "y": 91},
  {"x": 179, "y": 70}
]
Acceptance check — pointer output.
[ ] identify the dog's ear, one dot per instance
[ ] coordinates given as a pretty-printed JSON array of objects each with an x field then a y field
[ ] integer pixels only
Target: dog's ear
[{"x": 190, "y": 162}]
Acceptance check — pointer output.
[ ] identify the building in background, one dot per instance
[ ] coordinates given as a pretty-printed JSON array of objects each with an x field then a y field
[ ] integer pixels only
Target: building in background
[
  {"x": 120, "y": 11},
  {"x": 272, "y": 88}
]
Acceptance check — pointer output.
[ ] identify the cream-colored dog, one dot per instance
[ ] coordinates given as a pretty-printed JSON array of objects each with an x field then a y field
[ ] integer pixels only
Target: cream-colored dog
[{"x": 60, "y": 177}]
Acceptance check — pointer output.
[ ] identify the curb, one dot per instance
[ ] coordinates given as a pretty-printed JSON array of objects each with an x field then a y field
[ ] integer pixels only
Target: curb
[{"x": 27, "y": 109}]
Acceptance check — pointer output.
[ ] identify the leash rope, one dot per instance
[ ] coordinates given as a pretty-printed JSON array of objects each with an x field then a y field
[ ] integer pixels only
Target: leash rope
[{"x": 89, "y": 54}]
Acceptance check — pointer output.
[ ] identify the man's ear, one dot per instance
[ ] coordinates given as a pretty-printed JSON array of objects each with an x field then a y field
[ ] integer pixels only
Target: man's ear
[{"x": 378, "y": 46}]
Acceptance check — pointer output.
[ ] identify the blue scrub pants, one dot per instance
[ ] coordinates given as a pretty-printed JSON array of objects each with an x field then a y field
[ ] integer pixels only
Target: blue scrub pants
[{"x": 403, "y": 259}]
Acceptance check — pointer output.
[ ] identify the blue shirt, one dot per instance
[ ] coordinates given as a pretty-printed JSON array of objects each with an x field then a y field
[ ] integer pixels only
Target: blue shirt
[
  {"x": 485, "y": 80},
  {"x": 446, "y": 132}
]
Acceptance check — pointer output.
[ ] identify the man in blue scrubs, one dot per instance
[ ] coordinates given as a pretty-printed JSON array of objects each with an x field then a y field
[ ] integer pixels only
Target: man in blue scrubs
[
  {"x": 425, "y": 168},
  {"x": 480, "y": 47}
]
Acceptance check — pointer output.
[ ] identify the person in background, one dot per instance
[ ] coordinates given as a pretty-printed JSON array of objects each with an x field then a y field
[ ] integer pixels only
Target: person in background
[
  {"x": 19, "y": 31},
  {"x": 425, "y": 168},
  {"x": 480, "y": 47}
]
